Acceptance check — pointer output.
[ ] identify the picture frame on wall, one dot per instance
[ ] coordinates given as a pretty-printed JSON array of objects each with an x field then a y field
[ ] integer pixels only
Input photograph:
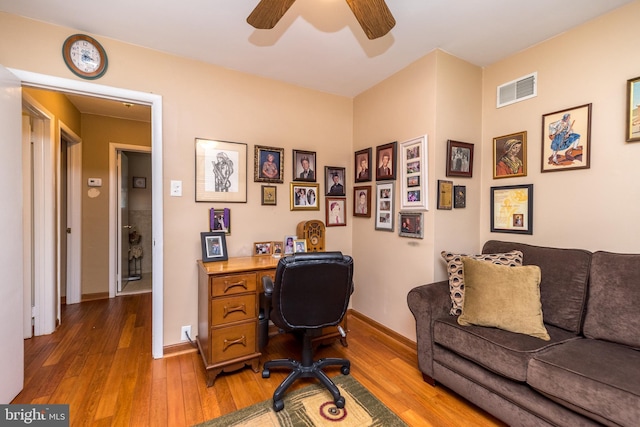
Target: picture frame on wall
[
  {"x": 459, "y": 159},
  {"x": 362, "y": 201},
  {"x": 386, "y": 161},
  {"x": 304, "y": 165},
  {"x": 510, "y": 155},
  {"x": 221, "y": 171},
  {"x": 362, "y": 160},
  {"x": 334, "y": 178},
  {"x": 445, "y": 194},
  {"x": 384, "y": 206},
  {"x": 139, "y": 182},
  {"x": 214, "y": 246},
  {"x": 410, "y": 224},
  {"x": 304, "y": 197},
  {"x": 459, "y": 196},
  {"x": 220, "y": 220},
  {"x": 268, "y": 164},
  {"x": 335, "y": 211},
  {"x": 633, "y": 110},
  {"x": 566, "y": 139},
  {"x": 512, "y": 209},
  {"x": 414, "y": 174},
  {"x": 269, "y": 195}
]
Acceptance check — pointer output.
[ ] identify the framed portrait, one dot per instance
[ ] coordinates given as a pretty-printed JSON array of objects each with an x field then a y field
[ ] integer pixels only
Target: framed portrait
[
  {"x": 289, "y": 245},
  {"x": 510, "y": 155},
  {"x": 221, "y": 171},
  {"x": 459, "y": 159},
  {"x": 262, "y": 248},
  {"x": 413, "y": 174},
  {"x": 410, "y": 224},
  {"x": 304, "y": 165},
  {"x": 512, "y": 209},
  {"x": 220, "y": 220},
  {"x": 384, "y": 206},
  {"x": 304, "y": 197},
  {"x": 269, "y": 195},
  {"x": 214, "y": 246},
  {"x": 278, "y": 248},
  {"x": 299, "y": 245},
  {"x": 139, "y": 182},
  {"x": 335, "y": 211},
  {"x": 633, "y": 110},
  {"x": 445, "y": 194},
  {"x": 386, "y": 161},
  {"x": 268, "y": 164},
  {"x": 459, "y": 196},
  {"x": 362, "y": 161},
  {"x": 362, "y": 201},
  {"x": 566, "y": 139},
  {"x": 334, "y": 178}
]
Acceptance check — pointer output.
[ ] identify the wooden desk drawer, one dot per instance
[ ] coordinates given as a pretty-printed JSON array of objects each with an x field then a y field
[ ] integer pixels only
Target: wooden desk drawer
[
  {"x": 233, "y": 284},
  {"x": 231, "y": 342},
  {"x": 233, "y": 309}
]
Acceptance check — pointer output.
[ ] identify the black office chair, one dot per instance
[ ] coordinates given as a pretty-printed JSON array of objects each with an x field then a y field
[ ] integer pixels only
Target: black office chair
[{"x": 311, "y": 291}]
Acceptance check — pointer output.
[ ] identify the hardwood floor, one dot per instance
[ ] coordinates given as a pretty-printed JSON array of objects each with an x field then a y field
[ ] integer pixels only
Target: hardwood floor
[{"x": 99, "y": 362}]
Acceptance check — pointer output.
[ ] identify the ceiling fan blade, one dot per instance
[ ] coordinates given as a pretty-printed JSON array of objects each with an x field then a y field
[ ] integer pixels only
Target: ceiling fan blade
[
  {"x": 374, "y": 17},
  {"x": 268, "y": 12}
]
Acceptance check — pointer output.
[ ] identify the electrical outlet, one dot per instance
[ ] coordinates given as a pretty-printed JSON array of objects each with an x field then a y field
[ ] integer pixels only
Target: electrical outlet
[{"x": 186, "y": 330}]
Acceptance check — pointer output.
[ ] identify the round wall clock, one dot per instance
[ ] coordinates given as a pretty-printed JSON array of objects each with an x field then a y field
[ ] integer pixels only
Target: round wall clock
[{"x": 84, "y": 56}]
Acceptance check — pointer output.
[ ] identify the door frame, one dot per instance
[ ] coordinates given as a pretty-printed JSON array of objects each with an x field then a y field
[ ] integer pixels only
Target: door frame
[{"x": 43, "y": 81}]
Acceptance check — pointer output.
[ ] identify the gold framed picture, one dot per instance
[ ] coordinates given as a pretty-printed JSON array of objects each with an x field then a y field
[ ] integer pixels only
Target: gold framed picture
[
  {"x": 304, "y": 197},
  {"x": 510, "y": 155}
]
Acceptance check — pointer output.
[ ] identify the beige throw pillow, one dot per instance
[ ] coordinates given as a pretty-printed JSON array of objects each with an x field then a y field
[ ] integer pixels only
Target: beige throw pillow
[{"x": 503, "y": 297}]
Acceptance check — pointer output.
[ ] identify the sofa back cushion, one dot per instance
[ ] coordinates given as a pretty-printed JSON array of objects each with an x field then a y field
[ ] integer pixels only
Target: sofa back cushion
[
  {"x": 614, "y": 298},
  {"x": 564, "y": 280}
]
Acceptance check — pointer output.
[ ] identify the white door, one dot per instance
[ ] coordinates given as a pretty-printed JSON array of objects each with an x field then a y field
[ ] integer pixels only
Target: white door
[
  {"x": 123, "y": 222},
  {"x": 11, "y": 233}
]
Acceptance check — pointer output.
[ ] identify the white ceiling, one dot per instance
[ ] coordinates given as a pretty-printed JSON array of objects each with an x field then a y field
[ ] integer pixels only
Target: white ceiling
[{"x": 318, "y": 44}]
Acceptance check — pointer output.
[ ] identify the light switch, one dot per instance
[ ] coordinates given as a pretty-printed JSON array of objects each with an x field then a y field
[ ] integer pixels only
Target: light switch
[
  {"x": 176, "y": 188},
  {"x": 94, "y": 182}
]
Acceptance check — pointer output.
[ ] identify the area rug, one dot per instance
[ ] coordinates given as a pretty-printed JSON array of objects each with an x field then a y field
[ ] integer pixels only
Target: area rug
[{"x": 313, "y": 406}]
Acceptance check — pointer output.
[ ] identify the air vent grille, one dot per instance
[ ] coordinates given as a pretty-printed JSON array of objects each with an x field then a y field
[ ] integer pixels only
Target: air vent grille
[{"x": 518, "y": 90}]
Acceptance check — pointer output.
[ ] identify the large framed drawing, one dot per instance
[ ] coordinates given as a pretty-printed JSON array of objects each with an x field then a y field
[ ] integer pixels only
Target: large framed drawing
[
  {"x": 413, "y": 172},
  {"x": 566, "y": 139},
  {"x": 221, "y": 171},
  {"x": 512, "y": 209},
  {"x": 384, "y": 205},
  {"x": 633, "y": 110},
  {"x": 510, "y": 155}
]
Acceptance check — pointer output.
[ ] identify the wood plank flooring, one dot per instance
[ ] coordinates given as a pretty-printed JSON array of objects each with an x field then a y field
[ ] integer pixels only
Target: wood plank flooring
[{"x": 99, "y": 362}]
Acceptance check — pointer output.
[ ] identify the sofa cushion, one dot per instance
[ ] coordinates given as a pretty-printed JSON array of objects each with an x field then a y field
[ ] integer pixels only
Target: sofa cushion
[
  {"x": 456, "y": 272},
  {"x": 597, "y": 378},
  {"x": 503, "y": 297},
  {"x": 563, "y": 286},
  {"x": 503, "y": 352},
  {"x": 614, "y": 299}
]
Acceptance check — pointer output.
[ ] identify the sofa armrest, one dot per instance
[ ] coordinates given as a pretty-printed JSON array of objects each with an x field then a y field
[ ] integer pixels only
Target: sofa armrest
[{"x": 428, "y": 303}]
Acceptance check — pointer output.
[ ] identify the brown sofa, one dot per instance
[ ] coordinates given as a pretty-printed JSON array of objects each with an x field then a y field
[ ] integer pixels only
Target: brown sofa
[{"x": 587, "y": 374}]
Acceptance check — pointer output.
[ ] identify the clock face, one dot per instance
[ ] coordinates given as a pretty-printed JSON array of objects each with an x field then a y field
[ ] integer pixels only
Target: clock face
[{"x": 84, "y": 56}]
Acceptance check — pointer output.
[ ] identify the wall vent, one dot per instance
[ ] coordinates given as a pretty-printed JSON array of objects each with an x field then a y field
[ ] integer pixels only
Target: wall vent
[{"x": 518, "y": 90}]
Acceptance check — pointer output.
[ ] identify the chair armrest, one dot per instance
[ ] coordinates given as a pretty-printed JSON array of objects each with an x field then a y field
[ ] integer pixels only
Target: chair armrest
[{"x": 267, "y": 286}]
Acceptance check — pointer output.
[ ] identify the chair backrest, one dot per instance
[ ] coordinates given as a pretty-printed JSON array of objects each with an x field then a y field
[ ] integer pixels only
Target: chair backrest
[{"x": 312, "y": 290}]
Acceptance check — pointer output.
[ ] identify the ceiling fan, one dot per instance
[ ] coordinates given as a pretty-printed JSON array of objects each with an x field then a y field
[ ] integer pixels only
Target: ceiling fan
[{"x": 373, "y": 15}]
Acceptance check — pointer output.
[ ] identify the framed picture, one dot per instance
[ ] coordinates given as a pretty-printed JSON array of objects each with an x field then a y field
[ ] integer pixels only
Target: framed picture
[
  {"x": 510, "y": 155},
  {"x": 214, "y": 246},
  {"x": 459, "y": 196},
  {"x": 220, "y": 220},
  {"x": 386, "y": 161},
  {"x": 566, "y": 139},
  {"x": 459, "y": 159},
  {"x": 304, "y": 165},
  {"x": 362, "y": 161},
  {"x": 221, "y": 171},
  {"x": 334, "y": 180},
  {"x": 384, "y": 206},
  {"x": 413, "y": 172},
  {"x": 300, "y": 245},
  {"x": 362, "y": 201},
  {"x": 335, "y": 211},
  {"x": 445, "y": 194},
  {"x": 410, "y": 224},
  {"x": 304, "y": 197},
  {"x": 289, "y": 244},
  {"x": 268, "y": 164},
  {"x": 139, "y": 182},
  {"x": 269, "y": 195},
  {"x": 633, "y": 109},
  {"x": 512, "y": 209},
  {"x": 262, "y": 248}
]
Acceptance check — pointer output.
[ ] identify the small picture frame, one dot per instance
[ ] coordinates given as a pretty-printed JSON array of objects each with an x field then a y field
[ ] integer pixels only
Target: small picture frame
[
  {"x": 262, "y": 248},
  {"x": 512, "y": 209},
  {"x": 362, "y": 201},
  {"x": 386, "y": 161},
  {"x": 633, "y": 110},
  {"x": 414, "y": 172},
  {"x": 334, "y": 180},
  {"x": 510, "y": 155},
  {"x": 214, "y": 246},
  {"x": 566, "y": 139},
  {"x": 304, "y": 165},
  {"x": 278, "y": 249},
  {"x": 362, "y": 164},
  {"x": 410, "y": 224},
  {"x": 300, "y": 246},
  {"x": 221, "y": 171},
  {"x": 268, "y": 164},
  {"x": 269, "y": 195},
  {"x": 459, "y": 196},
  {"x": 304, "y": 197},
  {"x": 385, "y": 196},
  {"x": 335, "y": 211},
  {"x": 289, "y": 245},
  {"x": 220, "y": 220},
  {"x": 459, "y": 159},
  {"x": 139, "y": 182},
  {"x": 445, "y": 194}
]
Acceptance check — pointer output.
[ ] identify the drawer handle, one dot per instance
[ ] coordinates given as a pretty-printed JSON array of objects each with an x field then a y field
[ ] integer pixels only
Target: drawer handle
[
  {"x": 228, "y": 310},
  {"x": 228, "y": 343},
  {"x": 228, "y": 285}
]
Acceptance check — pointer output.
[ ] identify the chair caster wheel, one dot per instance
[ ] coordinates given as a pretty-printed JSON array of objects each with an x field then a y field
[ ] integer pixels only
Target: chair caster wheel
[
  {"x": 344, "y": 370},
  {"x": 278, "y": 405},
  {"x": 266, "y": 373},
  {"x": 340, "y": 402}
]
